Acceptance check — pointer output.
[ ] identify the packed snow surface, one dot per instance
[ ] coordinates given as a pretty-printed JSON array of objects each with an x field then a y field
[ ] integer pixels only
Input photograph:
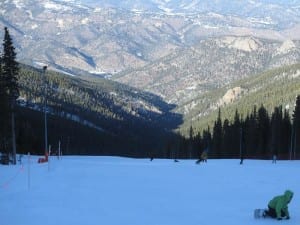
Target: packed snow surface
[{"x": 123, "y": 191}]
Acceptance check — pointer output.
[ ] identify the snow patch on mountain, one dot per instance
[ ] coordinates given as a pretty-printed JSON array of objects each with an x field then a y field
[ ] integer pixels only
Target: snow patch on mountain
[
  {"x": 266, "y": 21},
  {"x": 60, "y": 23},
  {"x": 165, "y": 9},
  {"x": 97, "y": 9},
  {"x": 53, "y": 6},
  {"x": 64, "y": 5},
  {"x": 19, "y": 4},
  {"x": 215, "y": 15},
  {"x": 210, "y": 27},
  {"x": 34, "y": 26},
  {"x": 85, "y": 21},
  {"x": 188, "y": 6}
]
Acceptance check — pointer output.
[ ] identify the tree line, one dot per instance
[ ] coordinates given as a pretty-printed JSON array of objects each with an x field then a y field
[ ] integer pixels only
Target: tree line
[{"x": 259, "y": 135}]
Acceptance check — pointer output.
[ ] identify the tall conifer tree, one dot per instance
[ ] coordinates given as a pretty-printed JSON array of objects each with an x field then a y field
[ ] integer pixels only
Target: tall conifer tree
[
  {"x": 3, "y": 111},
  {"x": 10, "y": 72},
  {"x": 263, "y": 130},
  {"x": 286, "y": 131},
  {"x": 276, "y": 131},
  {"x": 296, "y": 127},
  {"x": 228, "y": 140},
  {"x": 217, "y": 136},
  {"x": 237, "y": 129}
]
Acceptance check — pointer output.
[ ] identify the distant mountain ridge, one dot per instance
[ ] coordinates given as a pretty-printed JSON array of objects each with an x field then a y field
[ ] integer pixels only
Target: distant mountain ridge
[
  {"x": 245, "y": 7},
  {"x": 211, "y": 64},
  {"x": 112, "y": 36}
]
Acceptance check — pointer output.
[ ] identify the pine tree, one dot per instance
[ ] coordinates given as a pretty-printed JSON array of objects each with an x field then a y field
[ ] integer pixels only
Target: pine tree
[
  {"x": 250, "y": 134},
  {"x": 207, "y": 139},
  {"x": 286, "y": 132},
  {"x": 191, "y": 143},
  {"x": 296, "y": 127},
  {"x": 198, "y": 142},
  {"x": 217, "y": 136},
  {"x": 276, "y": 131},
  {"x": 3, "y": 112},
  {"x": 263, "y": 130},
  {"x": 10, "y": 71},
  {"x": 236, "y": 130},
  {"x": 227, "y": 144}
]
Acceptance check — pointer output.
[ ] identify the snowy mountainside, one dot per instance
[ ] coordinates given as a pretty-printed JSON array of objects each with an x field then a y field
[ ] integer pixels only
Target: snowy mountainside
[
  {"x": 195, "y": 6},
  {"x": 107, "y": 37},
  {"x": 281, "y": 13}
]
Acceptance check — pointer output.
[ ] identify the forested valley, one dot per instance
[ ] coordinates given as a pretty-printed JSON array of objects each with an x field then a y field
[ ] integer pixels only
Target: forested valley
[{"x": 42, "y": 109}]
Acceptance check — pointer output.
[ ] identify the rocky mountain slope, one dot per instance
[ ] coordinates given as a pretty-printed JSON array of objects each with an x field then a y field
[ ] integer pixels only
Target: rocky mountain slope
[
  {"x": 213, "y": 63},
  {"x": 112, "y": 36}
]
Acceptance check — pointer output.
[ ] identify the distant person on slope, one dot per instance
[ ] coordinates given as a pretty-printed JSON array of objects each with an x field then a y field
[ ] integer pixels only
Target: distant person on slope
[
  {"x": 204, "y": 155},
  {"x": 278, "y": 206}
]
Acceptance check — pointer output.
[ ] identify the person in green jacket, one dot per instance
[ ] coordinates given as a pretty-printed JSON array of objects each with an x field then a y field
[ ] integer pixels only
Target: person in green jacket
[{"x": 278, "y": 206}]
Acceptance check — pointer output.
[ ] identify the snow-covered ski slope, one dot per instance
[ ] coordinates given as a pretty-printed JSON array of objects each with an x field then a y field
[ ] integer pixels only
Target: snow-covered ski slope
[{"x": 122, "y": 191}]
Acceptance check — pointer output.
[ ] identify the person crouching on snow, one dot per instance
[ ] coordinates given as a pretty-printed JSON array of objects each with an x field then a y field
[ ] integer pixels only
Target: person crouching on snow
[{"x": 278, "y": 206}]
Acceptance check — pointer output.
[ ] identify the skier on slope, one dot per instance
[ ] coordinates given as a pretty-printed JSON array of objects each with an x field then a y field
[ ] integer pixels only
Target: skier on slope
[{"x": 278, "y": 206}]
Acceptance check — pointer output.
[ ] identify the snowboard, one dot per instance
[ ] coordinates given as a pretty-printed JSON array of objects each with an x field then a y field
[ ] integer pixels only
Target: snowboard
[{"x": 259, "y": 213}]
